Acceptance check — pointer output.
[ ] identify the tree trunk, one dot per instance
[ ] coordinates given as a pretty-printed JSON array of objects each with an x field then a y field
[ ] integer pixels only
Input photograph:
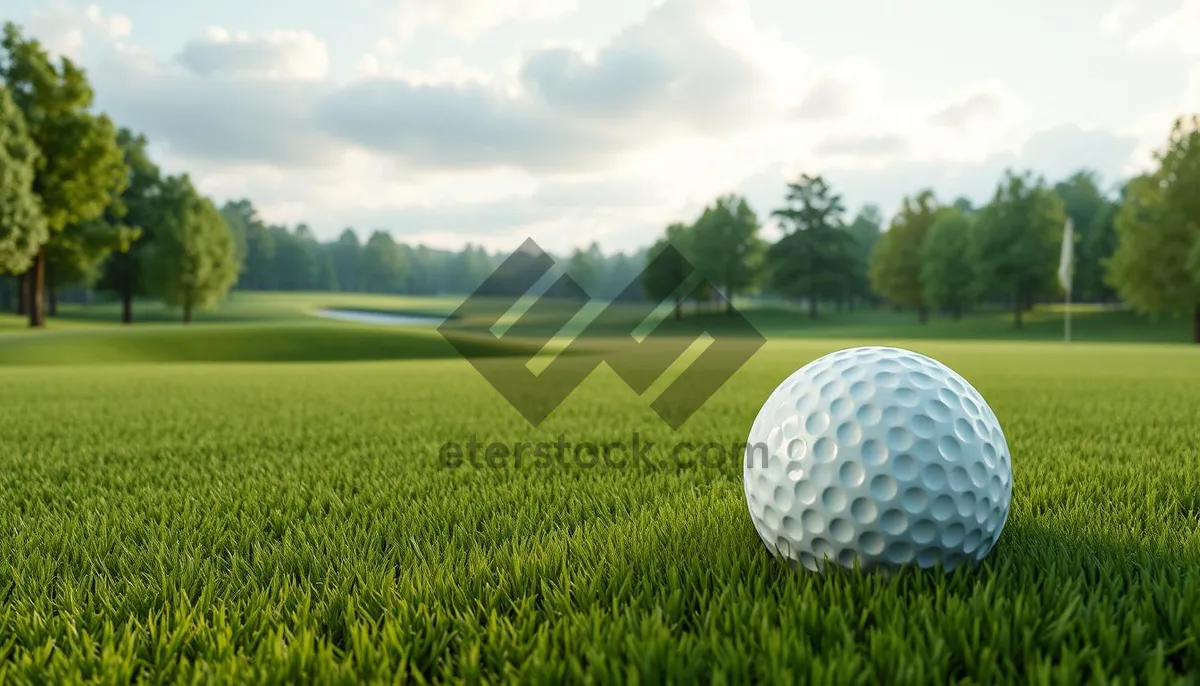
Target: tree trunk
[
  {"x": 23, "y": 294},
  {"x": 1196, "y": 325},
  {"x": 678, "y": 309},
  {"x": 729, "y": 303},
  {"x": 37, "y": 290},
  {"x": 126, "y": 305},
  {"x": 812, "y": 307},
  {"x": 187, "y": 313},
  {"x": 1018, "y": 302},
  {"x": 922, "y": 314}
]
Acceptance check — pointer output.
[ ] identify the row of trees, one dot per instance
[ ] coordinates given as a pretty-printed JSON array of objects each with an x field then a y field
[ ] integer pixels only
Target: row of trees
[
  {"x": 276, "y": 258},
  {"x": 1139, "y": 244},
  {"x": 75, "y": 191}
]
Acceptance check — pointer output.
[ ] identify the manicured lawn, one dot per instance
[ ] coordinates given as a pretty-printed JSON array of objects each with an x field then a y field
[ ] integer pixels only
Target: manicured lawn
[{"x": 290, "y": 522}]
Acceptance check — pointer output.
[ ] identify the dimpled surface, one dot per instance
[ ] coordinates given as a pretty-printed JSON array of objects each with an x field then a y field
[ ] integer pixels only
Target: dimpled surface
[{"x": 881, "y": 457}]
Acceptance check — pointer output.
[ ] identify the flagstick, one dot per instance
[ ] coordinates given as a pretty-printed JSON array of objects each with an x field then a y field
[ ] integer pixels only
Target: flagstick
[{"x": 1067, "y": 328}]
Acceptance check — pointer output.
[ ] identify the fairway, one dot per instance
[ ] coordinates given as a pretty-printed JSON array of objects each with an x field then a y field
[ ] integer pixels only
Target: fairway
[{"x": 294, "y": 522}]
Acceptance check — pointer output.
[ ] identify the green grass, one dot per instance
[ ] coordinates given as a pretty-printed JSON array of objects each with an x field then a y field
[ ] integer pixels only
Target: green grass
[
  {"x": 313, "y": 341},
  {"x": 291, "y": 523}
]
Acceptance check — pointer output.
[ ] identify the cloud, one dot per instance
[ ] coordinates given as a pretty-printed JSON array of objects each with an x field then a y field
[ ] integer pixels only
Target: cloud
[
  {"x": 691, "y": 68},
  {"x": 62, "y": 29},
  {"x": 979, "y": 105},
  {"x": 1054, "y": 153},
  {"x": 284, "y": 55},
  {"x": 846, "y": 88},
  {"x": 468, "y": 19},
  {"x": 1174, "y": 32},
  {"x": 215, "y": 119},
  {"x": 1118, "y": 18},
  {"x": 865, "y": 145}
]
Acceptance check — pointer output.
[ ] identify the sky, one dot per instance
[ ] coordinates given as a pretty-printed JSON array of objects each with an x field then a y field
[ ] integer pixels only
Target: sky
[{"x": 571, "y": 121}]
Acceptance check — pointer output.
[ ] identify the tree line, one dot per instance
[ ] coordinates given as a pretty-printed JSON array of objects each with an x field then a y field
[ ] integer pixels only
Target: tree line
[
  {"x": 82, "y": 205},
  {"x": 1137, "y": 243}
]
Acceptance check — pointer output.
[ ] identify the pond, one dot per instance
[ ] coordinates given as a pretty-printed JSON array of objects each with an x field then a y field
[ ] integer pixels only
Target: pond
[{"x": 380, "y": 317}]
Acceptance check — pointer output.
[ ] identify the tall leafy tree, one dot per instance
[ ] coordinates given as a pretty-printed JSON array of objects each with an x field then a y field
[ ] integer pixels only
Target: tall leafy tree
[
  {"x": 76, "y": 257},
  {"x": 132, "y": 231},
  {"x": 586, "y": 267},
  {"x": 346, "y": 255},
  {"x": 22, "y": 225},
  {"x": 466, "y": 270},
  {"x": 897, "y": 259},
  {"x": 191, "y": 263},
  {"x": 1018, "y": 236},
  {"x": 1096, "y": 248},
  {"x": 1084, "y": 203},
  {"x": 1154, "y": 267},
  {"x": 82, "y": 170},
  {"x": 866, "y": 229},
  {"x": 726, "y": 247},
  {"x": 661, "y": 278},
  {"x": 947, "y": 270},
  {"x": 295, "y": 266},
  {"x": 815, "y": 257},
  {"x": 383, "y": 264},
  {"x": 254, "y": 241}
]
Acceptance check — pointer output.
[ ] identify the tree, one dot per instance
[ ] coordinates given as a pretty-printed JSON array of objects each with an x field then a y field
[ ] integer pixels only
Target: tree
[
  {"x": 586, "y": 268},
  {"x": 947, "y": 271},
  {"x": 964, "y": 206},
  {"x": 1154, "y": 267},
  {"x": 1083, "y": 202},
  {"x": 254, "y": 243},
  {"x": 466, "y": 270},
  {"x": 383, "y": 264},
  {"x": 76, "y": 257},
  {"x": 866, "y": 230},
  {"x": 22, "y": 225},
  {"x": 82, "y": 170},
  {"x": 123, "y": 272},
  {"x": 662, "y": 276},
  {"x": 191, "y": 264},
  {"x": 346, "y": 256},
  {"x": 815, "y": 257},
  {"x": 897, "y": 259},
  {"x": 726, "y": 247},
  {"x": 1098, "y": 245},
  {"x": 1018, "y": 236}
]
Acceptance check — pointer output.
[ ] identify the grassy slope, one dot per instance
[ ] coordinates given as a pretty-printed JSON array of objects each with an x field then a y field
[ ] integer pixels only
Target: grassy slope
[
  {"x": 277, "y": 327},
  {"x": 293, "y": 521}
]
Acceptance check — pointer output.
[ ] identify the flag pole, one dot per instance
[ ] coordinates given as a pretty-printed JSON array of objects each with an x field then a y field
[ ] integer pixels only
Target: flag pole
[
  {"x": 1067, "y": 327},
  {"x": 1065, "y": 272}
]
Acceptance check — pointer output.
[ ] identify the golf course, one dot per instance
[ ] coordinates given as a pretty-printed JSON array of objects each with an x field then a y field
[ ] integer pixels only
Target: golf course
[{"x": 262, "y": 495}]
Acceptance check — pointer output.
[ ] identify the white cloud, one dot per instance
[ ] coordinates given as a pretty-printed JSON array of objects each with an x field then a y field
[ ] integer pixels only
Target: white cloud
[
  {"x": 1175, "y": 31},
  {"x": 285, "y": 55},
  {"x": 468, "y": 19},
  {"x": 63, "y": 29},
  {"x": 1117, "y": 19}
]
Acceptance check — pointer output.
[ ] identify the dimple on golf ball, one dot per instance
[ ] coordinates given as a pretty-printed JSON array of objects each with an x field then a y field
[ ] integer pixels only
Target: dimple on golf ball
[{"x": 879, "y": 457}]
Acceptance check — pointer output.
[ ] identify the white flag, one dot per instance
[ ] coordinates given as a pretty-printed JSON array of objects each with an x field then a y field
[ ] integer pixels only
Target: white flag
[{"x": 1068, "y": 251}]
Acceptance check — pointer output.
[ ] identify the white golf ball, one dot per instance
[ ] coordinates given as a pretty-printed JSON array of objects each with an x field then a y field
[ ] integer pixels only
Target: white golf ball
[{"x": 881, "y": 457}]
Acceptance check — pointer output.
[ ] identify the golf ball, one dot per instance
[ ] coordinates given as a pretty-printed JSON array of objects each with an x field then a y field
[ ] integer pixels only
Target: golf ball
[{"x": 880, "y": 457}]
